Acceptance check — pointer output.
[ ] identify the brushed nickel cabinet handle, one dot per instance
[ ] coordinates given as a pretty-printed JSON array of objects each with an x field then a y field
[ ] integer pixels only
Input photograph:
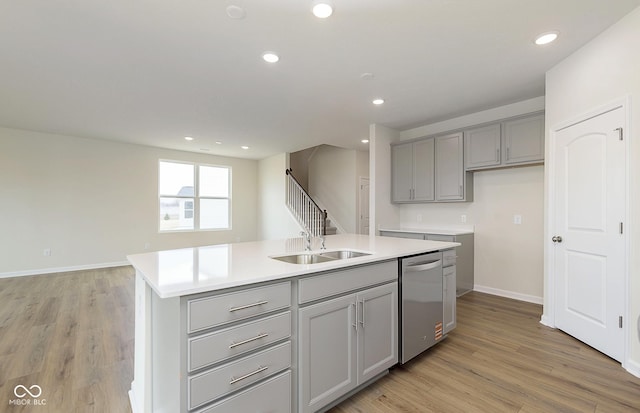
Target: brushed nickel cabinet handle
[
  {"x": 246, "y": 376},
  {"x": 249, "y": 340},
  {"x": 244, "y": 307}
]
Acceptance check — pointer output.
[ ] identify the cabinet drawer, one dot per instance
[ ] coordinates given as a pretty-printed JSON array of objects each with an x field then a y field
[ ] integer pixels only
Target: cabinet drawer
[
  {"x": 272, "y": 396},
  {"x": 333, "y": 283},
  {"x": 215, "y": 383},
  {"x": 214, "y": 347},
  {"x": 209, "y": 312},
  {"x": 448, "y": 258}
]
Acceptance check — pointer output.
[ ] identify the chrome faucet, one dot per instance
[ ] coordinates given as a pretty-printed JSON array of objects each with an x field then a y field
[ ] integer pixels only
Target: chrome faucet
[{"x": 307, "y": 237}]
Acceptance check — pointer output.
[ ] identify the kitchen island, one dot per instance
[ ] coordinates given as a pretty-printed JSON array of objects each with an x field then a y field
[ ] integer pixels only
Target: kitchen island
[{"x": 225, "y": 327}]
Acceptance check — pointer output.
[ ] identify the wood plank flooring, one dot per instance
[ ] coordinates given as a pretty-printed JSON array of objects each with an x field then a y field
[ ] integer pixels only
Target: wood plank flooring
[
  {"x": 501, "y": 359},
  {"x": 72, "y": 334}
]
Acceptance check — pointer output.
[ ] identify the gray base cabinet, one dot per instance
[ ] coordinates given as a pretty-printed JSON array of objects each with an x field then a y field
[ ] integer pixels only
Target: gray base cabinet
[
  {"x": 448, "y": 299},
  {"x": 344, "y": 342}
]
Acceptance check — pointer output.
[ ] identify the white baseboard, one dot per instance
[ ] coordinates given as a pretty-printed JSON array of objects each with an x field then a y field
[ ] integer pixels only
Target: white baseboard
[
  {"x": 632, "y": 367},
  {"x": 508, "y": 294},
  {"x": 545, "y": 321},
  {"x": 63, "y": 269}
]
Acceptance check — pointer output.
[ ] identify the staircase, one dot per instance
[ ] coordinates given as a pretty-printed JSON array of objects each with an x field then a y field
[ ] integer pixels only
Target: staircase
[{"x": 306, "y": 211}]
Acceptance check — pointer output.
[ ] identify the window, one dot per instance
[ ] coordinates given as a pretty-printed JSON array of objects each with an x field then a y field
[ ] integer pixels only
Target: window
[{"x": 194, "y": 197}]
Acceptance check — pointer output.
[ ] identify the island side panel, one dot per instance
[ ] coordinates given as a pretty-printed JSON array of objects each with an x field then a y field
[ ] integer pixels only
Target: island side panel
[{"x": 140, "y": 393}]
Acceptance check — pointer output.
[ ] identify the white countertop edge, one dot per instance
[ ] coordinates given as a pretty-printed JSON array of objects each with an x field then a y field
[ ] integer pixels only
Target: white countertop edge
[
  {"x": 276, "y": 270},
  {"x": 435, "y": 231}
]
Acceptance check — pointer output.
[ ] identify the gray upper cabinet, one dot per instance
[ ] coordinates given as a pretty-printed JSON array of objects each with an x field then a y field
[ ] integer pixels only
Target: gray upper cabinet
[
  {"x": 482, "y": 147},
  {"x": 412, "y": 170},
  {"x": 524, "y": 140},
  {"x": 451, "y": 179},
  {"x": 518, "y": 141}
]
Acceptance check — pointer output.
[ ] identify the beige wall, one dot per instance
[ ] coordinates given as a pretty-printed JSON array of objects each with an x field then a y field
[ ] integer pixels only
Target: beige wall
[
  {"x": 92, "y": 202},
  {"x": 606, "y": 69},
  {"x": 275, "y": 220},
  {"x": 382, "y": 213},
  {"x": 332, "y": 183},
  {"x": 508, "y": 258}
]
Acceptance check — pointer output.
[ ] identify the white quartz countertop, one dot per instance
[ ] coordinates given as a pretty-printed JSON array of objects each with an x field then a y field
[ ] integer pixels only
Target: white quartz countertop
[
  {"x": 179, "y": 272},
  {"x": 437, "y": 231}
]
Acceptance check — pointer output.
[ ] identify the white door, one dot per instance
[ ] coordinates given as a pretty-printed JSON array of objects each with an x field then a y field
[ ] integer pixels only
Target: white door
[
  {"x": 588, "y": 225},
  {"x": 363, "y": 224}
]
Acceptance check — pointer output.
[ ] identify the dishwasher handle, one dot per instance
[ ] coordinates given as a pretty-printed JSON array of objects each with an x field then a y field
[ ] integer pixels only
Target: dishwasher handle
[{"x": 423, "y": 267}]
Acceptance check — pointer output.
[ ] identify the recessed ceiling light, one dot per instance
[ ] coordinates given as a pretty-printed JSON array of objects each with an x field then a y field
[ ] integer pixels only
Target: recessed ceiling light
[
  {"x": 218, "y": 143},
  {"x": 366, "y": 76},
  {"x": 270, "y": 57},
  {"x": 365, "y": 141},
  {"x": 188, "y": 138},
  {"x": 378, "y": 101},
  {"x": 546, "y": 38},
  {"x": 245, "y": 147},
  {"x": 322, "y": 9},
  {"x": 236, "y": 12}
]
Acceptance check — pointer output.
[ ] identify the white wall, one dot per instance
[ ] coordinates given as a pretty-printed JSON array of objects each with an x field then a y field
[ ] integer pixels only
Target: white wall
[
  {"x": 275, "y": 220},
  {"x": 382, "y": 213},
  {"x": 508, "y": 258},
  {"x": 92, "y": 202},
  {"x": 605, "y": 69}
]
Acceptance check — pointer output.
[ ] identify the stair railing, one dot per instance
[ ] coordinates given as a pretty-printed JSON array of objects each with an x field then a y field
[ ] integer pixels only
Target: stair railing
[{"x": 312, "y": 218}]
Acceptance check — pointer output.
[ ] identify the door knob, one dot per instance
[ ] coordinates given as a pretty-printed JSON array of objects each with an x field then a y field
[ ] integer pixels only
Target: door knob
[{"x": 556, "y": 238}]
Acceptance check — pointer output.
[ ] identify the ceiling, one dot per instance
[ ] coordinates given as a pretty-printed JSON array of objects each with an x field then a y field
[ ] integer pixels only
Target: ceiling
[{"x": 154, "y": 71}]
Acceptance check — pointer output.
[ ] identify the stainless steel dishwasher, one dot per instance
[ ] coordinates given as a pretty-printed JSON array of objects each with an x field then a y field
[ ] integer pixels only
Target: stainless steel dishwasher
[{"x": 420, "y": 303}]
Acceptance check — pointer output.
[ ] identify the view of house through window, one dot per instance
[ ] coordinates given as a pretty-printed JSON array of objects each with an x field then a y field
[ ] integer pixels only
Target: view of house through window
[{"x": 194, "y": 197}]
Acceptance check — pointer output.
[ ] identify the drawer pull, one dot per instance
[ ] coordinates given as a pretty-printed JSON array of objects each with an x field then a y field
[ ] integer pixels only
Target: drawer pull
[
  {"x": 244, "y": 307},
  {"x": 249, "y": 340},
  {"x": 246, "y": 376}
]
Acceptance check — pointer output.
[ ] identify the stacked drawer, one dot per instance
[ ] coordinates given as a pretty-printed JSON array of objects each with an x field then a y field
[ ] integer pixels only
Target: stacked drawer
[{"x": 234, "y": 342}]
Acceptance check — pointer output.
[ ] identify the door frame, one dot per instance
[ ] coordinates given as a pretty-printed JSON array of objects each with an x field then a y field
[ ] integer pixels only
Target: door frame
[{"x": 549, "y": 313}]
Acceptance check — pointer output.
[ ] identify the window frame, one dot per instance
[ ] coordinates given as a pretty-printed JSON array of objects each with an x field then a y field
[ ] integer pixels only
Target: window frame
[{"x": 196, "y": 198}]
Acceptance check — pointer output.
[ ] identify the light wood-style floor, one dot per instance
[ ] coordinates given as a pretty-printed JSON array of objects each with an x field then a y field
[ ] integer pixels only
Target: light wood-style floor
[{"x": 72, "y": 334}]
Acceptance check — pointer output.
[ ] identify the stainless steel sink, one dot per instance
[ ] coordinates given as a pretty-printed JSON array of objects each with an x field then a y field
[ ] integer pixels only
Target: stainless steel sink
[
  {"x": 304, "y": 258},
  {"x": 344, "y": 254},
  {"x": 315, "y": 258}
]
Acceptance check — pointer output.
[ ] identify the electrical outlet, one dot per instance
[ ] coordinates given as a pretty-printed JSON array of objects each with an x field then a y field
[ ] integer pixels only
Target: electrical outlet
[
  {"x": 463, "y": 219},
  {"x": 419, "y": 218},
  {"x": 517, "y": 219},
  {"x": 147, "y": 245},
  {"x": 46, "y": 252}
]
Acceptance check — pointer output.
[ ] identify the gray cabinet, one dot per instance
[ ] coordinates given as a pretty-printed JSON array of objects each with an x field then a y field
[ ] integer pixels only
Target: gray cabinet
[
  {"x": 344, "y": 342},
  {"x": 524, "y": 140},
  {"x": 412, "y": 170},
  {"x": 451, "y": 178},
  {"x": 482, "y": 147},
  {"x": 512, "y": 142},
  {"x": 430, "y": 170}
]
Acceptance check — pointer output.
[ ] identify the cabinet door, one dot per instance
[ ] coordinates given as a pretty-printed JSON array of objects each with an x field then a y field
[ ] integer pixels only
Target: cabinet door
[
  {"x": 402, "y": 172},
  {"x": 524, "y": 140},
  {"x": 449, "y": 168},
  {"x": 482, "y": 147},
  {"x": 327, "y": 352},
  {"x": 378, "y": 330},
  {"x": 423, "y": 170},
  {"x": 449, "y": 298}
]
